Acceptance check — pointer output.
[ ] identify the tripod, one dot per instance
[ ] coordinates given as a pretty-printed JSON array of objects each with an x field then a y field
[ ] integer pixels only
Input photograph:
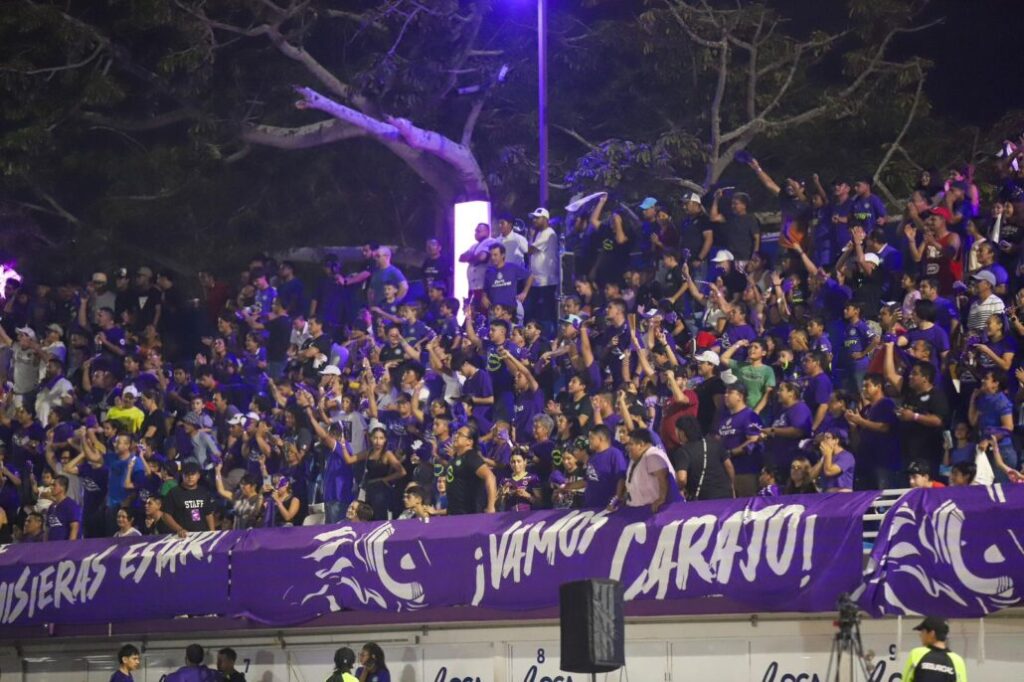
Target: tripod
[{"x": 847, "y": 642}]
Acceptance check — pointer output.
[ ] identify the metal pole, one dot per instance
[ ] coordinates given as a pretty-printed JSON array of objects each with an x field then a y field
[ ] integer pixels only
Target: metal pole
[{"x": 542, "y": 98}]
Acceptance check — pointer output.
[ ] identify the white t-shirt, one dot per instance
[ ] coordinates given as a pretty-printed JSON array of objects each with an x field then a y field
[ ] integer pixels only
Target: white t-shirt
[
  {"x": 544, "y": 261},
  {"x": 516, "y": 248}
]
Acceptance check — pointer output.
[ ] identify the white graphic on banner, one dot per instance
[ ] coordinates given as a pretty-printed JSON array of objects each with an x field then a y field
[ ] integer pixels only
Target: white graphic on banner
[{"x": 386, "y": 591}]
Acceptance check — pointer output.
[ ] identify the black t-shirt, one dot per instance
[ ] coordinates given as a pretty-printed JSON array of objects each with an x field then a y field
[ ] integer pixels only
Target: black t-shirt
[
  {"x": 691, "y": 233},
  {"x": 158, "y": 419},
  {"x": 706, "y": 392},
  {"x": 920, "y": 441},
  {"x": 464, "y": 485},
  {"x": 189, "y": 508},
  {"x": 673, "y": 281},
  {"x": 691, "y": 458},
  {"x": 573, "y": 410},
  {"x": 279, "y": 336},
  {"x": 737, "y": 234},
  {"x": 311, "y": 367}
]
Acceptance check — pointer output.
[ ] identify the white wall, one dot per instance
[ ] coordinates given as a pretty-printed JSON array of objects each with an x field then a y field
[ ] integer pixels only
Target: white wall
[{"x": 790, "y": 650}]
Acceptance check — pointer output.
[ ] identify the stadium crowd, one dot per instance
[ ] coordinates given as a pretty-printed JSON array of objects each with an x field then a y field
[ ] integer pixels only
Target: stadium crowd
[{"x": 864, "y": 351}]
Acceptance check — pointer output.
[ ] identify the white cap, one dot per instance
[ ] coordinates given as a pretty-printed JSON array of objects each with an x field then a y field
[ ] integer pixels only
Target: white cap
[
  {"x": 27, "y": 331},
  {"x": 130, "y": 390},
  {"x": 692, "y": 196},
  {"x": 236, "y": 420},
  {"x": 540, "y": 213},
  {"x": 331, "y": 370},
  {"x": 723, "y": 256},
  {"x": 710, "y": 357},
  {"x": 728, "y": 378},
  {"x": 253, "y": 416},
  {"x": 872, "y": 258}
]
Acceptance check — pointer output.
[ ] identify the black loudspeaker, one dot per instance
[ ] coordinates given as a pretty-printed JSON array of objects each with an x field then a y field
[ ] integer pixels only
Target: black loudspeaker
[{"x": 593, "y": 631}]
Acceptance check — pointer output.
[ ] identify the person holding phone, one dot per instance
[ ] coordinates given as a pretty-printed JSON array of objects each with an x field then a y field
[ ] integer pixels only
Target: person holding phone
[{"x": 372, "y": 667}]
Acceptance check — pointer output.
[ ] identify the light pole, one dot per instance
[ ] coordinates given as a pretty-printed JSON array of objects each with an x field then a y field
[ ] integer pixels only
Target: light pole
[{"x": 542, "y": 98}]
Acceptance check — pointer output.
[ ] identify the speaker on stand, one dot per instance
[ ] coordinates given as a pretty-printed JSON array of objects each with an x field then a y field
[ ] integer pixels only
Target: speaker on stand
[{"x": 592, "y": 626}]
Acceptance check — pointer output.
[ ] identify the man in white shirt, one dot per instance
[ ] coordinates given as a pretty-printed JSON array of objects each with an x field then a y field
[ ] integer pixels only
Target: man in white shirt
[
  {"x": 26, "y": 361},
  {"x": 541, "y": 304},
  {"x": 516, "y": 246},
  {"x": 986, "y": 303},
  {"x": 54, "y": 390},
  {"x": 478, "y": 257}
]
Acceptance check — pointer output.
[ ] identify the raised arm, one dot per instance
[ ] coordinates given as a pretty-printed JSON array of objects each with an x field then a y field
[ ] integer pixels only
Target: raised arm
[{"x": 765, "y": 179}]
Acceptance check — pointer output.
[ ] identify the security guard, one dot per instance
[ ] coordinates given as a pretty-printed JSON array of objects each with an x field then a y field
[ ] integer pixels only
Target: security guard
[{"x": 933, "y": 661}]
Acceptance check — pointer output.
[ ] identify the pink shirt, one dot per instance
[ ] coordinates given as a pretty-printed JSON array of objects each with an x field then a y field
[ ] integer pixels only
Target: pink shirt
[{"x": 642, "y": 478}]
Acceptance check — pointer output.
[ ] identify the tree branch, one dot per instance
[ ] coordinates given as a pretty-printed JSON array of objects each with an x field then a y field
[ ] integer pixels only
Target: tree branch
[
  {"x": 896, "y": 144},
  {"x": 470, "y": 124},
  {"x": 716, "y": 112},
  {"x": 576, "y": 136},
  {"x": 302, "y": 137},
  {"x": 152, "y": 123}
]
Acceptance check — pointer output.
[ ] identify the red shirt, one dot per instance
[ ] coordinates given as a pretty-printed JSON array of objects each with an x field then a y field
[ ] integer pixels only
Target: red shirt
[{"x": 674, "y": 410}]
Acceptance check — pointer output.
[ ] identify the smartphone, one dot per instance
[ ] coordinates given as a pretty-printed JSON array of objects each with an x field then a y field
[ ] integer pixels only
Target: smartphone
[{"x": 947, "y": 440}]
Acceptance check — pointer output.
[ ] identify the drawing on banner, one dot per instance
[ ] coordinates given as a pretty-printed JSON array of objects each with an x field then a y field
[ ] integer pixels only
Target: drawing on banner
[
  {"x": 371, "y": 581},
  {"x": 939, "y": 550}
]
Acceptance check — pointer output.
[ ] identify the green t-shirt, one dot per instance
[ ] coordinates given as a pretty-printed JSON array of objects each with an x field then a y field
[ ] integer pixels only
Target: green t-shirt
[{"x": 757, "y": 379}]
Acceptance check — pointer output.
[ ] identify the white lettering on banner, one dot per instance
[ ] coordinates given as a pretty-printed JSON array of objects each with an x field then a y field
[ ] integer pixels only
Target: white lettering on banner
[
  {"x": 682, "y": 545},
  {"x": 69, "y": 582},
  {"x": 514, "y": 551},
  {"x": 167, "y": 554}
]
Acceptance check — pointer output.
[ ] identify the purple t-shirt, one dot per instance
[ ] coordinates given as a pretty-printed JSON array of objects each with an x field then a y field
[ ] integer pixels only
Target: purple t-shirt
[
  {"x": 817, "y": 391},
  {"x": 881, "y": 450},
  {"x": 844, "y": 460},
  {"x": 604, "y": 471},
  {"x": 338, "y": 477},
  {"x": 856, "y": 339},
  {"x": 733, "y": 429},
  {"x": 934, "y": 335},
  {"x": 502, "y": 284},
  {"x": 739, "y": 332},
  {"x": 528, "y": 405},
  {"x": 59, "y": 518},
  {"x": 781, "y": 451}
]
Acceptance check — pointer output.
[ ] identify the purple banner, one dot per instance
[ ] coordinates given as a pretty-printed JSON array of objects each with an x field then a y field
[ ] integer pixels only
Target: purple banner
[
  {"x": 793, "y": 554},
  {"x": 107, "y": 580},
  {"x": 957, "y": 552}
]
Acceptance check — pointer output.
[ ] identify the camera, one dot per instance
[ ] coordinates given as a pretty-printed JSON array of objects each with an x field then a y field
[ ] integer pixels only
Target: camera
[{"x": 849, "y": 613}]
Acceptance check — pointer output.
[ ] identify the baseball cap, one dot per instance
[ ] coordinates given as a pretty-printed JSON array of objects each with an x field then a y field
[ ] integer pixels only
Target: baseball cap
[
  {"x": 130, "y": 390},
  {"x": 940, "y": 626},
  {"x": 692, "y": 196},
  {"x": 237, "y": 420},
  {"x": 981, "y": 276},
  {"x": 121, "y": 273},
  {"x": 27, "y": 331},
  {"x": 54, "y": 327},
  {"x": 872, "y": 258},
  {"x": 710, "y": 357},
  {"x": 723, "y": 256},
  {"x": 331, "y": 370},
  {"x": 941, "y": 212},
  {"x": 540, "y": 213},
  {"x": 99, "y": 277},
  {"x": 253, "y": 416},
  {"x": 732, "y": 381},
  {"x": 144, "y": 271},
  {"x": 649, "y": 202},
  {"x": 919, "y": 468},
  {"x": 574, "y": 320},
  {"x": 190, "y": 467}
]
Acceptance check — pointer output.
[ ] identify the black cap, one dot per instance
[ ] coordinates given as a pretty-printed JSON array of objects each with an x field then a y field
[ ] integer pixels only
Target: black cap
[
  {"x": 191, "y": 467},
  {"x": 919, "y": 467},
  {"x": 344, "y": 658},
  {"x": 940, "y": 626}
]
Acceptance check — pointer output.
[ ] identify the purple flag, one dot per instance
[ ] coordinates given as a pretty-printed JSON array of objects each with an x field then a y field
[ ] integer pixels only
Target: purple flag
[
  {"x": 105, "y": 580},
  {"x": 957, "y": 552},
  {"x": 794, "y": 554}
]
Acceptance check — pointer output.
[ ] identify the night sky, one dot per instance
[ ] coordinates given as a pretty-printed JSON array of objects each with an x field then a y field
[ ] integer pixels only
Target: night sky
[{"x": 978, "y": 53}]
